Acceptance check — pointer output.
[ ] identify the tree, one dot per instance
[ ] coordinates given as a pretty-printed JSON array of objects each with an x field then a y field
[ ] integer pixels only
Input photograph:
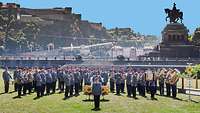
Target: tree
[{"x": 196, "y": 37}]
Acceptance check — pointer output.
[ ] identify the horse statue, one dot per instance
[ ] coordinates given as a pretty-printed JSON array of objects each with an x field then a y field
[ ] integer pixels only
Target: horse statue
[{"x": 174, "y": 15}]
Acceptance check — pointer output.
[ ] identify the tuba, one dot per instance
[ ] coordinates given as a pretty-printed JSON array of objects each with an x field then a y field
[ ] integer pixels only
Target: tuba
[
  {"x": 174, "y": 78},
  {"x": 149, "y": 75},
  {"x": 168, "y": 76}
]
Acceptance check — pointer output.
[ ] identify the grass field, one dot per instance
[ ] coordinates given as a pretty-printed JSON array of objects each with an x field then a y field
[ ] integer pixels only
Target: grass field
[{"x": 116, "y": 104}]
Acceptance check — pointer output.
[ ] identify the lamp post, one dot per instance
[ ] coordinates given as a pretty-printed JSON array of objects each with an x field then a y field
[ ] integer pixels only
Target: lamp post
[{"x": 189, "y": 81}]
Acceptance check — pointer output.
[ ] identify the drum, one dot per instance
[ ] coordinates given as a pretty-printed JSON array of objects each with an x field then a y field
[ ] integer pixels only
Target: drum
[
  {"x": 87, "y": 90},
  {"x": 105, "y": 90}
]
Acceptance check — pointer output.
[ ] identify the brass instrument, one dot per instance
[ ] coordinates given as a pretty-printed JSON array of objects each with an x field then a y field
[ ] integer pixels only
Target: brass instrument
[
  {"x": 168, "y": 76},
  {"x": 174, "y": 78},
  {"x": 149, "y": 75},
  {"x": 105, "y": 90}
]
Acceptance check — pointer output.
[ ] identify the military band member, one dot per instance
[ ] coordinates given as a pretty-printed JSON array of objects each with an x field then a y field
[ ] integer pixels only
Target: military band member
[
  {"x": 134, "y": 82},
  {"x": 60, "y": 80},
  {"x": 54, "y": 79},
  {"x": 123, "y": 78},
  {"x": 30, "y": 82},
  {"x": 38, "y": 80},
  {"x": 142, "y": 83},
  {"x": 34, "y": 78},
  {"x": 174, "y": 86},
  {"x": 19, "y": 81},
  {"x": 168, "y": 88},
  {"x": 43, "y": 77},
  {"x": 6, "y": 78},
  {"x": 82, "y": 73},
  {"x": 77, "y": 80},
  {"x": 104, "y": 75},
  {"x": 112, "y": 81},
  {"x": 87, "y": 77},
  {"x": 96, "y": 91},
  {"x": 128, "y": 82},
  {"x": 118, "y": 79},
  {"x": 162, "y": 82},
  {"x": 16, "y": 73},
  {"x": 25, "y": 81},
  {"x": 49, "y": 81},
  {"x": 152, "y": 84},
  {"x": 67, "y": 83},
  {"x": 71, "y": 83}
]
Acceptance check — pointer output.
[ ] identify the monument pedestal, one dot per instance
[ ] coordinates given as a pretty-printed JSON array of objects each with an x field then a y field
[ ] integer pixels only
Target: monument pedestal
[{"x": 175, "y": 43}]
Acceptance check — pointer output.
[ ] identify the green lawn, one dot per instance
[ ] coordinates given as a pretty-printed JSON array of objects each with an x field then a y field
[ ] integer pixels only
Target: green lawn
[{"x": 117, "y": 104}]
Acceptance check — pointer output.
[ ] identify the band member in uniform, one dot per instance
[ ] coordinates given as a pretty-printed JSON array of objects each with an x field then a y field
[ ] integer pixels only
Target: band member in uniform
[
  {"x": 71, "y": 83},
  {"x": 30, "y": 81},
  {"x": 60, "y": 80},
  {"x": 25, "y": 81},
  {"x": 96, "y": 90},
  {"x": 49, "y": 81},
  {"x": 118, "y": 79},
  {"x": 38, "y": 80},
  {"x": 34, "y": 78},
  {"x": 112, "y": 81},
  {"x": 6, "y": 78},
  {"x": 82, "y": 73},
  {"x": 54, "y": 79},
  {"x": 162, "y": 75},
  {"x": 67, "y": 83},
  {"x": 19, "y": 81},
  {"x": 77, "y": 80},
  {"x": 148, "y": 76},
  {"x": 173, "y": 83},
  {"x": 86, "y": 77},
  {"x": 134, "y": 82},
  {"x": 16, "y": 73},
  {"x": 142, "y": 83},
  {"x": 123, "y": 78},
  {"x": 104, "y": 75},
  {"x": 168, "y": 77},
  {"x": 43, "y": 77},
  {"x": 128, "y": 82},
  {"x": 152, "y": 84}
]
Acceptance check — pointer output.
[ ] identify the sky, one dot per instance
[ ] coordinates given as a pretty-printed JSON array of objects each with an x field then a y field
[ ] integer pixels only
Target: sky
[{"x": 144, "y": 16}]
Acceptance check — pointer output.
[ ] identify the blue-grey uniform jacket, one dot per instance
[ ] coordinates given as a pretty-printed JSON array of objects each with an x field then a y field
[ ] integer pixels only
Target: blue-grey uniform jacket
[
  {"x": 19, "y": 78},
  {"x": 60, "y": 76},
  {"x": 86, "y": 78},
  {"x": 16, "y": 73},
  {"x": 105, "y": 76},
  {"x": 6, "y": 76},
  {"x": 96, "y": 88},
  {"x": 128, "y": 78},
  {"x": 134, "y": 80},
  {"x": 25, "y": 78},
  {"x": 77, "y": 77},
  {"x": 43, "y": 78},
  {"x": 38, "y": 80},
  {"x": 54, "y": 76},
  {"x": 142, "y": 81},
  {"x": 118, "y": 78},
  {"x": 71, "y": 79},
  {"x": 48, "y": 77},
  {"x": 66, "y": 78}
]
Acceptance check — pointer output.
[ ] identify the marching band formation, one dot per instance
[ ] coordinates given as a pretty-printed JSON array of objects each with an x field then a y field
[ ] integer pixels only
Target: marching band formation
[{"x": 70, "y": 80}]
